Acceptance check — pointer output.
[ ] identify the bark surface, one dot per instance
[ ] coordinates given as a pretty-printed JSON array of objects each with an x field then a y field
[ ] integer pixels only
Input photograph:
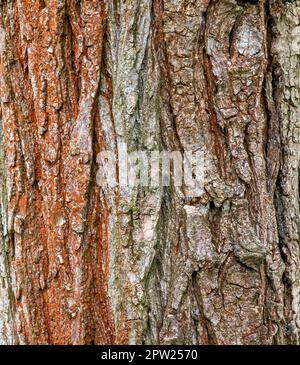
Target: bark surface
[{"x": 83, "y": 264}]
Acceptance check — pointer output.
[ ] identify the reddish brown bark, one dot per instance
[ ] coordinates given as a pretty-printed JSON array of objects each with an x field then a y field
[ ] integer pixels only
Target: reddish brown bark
[{"x": 50, "y": 78}]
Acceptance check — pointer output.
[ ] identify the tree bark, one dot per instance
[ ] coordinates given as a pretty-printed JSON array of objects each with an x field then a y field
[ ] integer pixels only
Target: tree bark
[{"x": 83, "y": 264}]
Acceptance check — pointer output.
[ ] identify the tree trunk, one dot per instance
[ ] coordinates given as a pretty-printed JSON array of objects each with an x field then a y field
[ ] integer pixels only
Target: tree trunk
[{"x": 89, "y": 264}]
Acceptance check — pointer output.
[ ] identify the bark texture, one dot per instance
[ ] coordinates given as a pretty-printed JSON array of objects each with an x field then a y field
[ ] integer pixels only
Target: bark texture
[{"x": 80, "y": 264}]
